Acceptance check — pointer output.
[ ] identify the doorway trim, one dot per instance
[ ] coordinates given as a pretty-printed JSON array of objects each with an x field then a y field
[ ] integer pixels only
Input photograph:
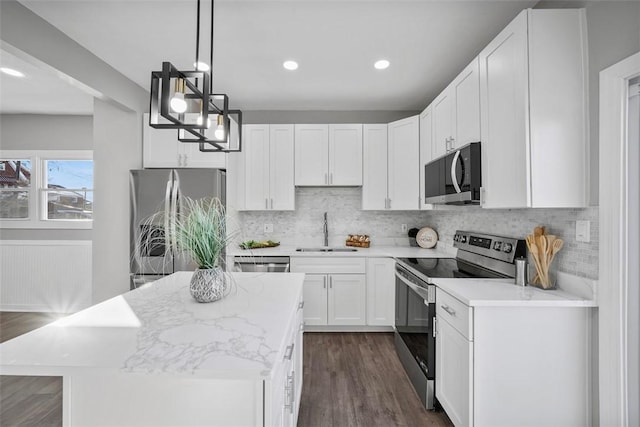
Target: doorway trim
[{"x": 614, "y": 241}]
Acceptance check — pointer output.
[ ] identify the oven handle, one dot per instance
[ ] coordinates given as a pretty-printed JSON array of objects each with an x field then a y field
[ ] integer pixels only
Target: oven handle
[{"x": 431, "y": 294}]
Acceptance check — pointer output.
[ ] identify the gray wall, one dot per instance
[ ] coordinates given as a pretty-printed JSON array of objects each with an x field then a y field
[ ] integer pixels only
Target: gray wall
[
  {"x": 45, "y": 132},
  {"x": 313, "y": 117}
]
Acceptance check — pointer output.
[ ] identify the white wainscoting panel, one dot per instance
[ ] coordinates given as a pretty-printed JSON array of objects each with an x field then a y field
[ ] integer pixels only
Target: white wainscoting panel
[{"x": 45, "y": 275}]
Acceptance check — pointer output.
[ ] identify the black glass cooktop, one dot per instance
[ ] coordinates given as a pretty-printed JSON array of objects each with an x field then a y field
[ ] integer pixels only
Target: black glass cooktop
[{"x": 428, "y": 268}]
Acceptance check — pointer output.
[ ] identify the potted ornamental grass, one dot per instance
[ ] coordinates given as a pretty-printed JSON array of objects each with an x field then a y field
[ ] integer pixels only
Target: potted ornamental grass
[{"x": 200, "y": 232}]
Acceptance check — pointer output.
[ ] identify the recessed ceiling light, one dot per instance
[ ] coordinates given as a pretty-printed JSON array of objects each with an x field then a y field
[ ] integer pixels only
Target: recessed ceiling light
[
  {"x": 11, "y": 72},
  {"x": 381, "y": 64},
  {"x": 290, "y": 65}
]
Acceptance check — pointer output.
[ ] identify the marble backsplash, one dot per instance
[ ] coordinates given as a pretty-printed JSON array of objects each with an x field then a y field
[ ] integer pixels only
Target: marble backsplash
[{"x": 304, "y": 225}]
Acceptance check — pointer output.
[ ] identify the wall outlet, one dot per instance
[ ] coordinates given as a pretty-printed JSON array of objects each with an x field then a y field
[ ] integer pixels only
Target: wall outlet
[
  {"x": 583, "y": 231},
  {"x": 268, "y": 228},
  {"x": 403, "y": 228}
]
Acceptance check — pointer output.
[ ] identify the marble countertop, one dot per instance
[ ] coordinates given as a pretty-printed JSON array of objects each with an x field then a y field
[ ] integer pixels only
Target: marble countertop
[
  {"x": 373, "y": 252},
  {"x": 504, "y": 293},
  {"x": 160, "y": 329}
]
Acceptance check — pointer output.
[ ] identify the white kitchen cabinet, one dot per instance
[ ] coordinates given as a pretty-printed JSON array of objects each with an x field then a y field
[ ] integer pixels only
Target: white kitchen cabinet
[
  {"x": 456, "y": 112},
  {"x": 328, "y": 155},
  {"x": 426, "y": 149},
  {"x": 534, "y": 110},
  {"x": 268, "y": 152},
  {"x": 334, "y": 290},
  {"x": 374, "y": 167},
  {"x": 161, "y": 149},
  {"x": 381, "y": 293},
  {"x": 524, "y": 365},
  {"x": 403, "y": 164}
]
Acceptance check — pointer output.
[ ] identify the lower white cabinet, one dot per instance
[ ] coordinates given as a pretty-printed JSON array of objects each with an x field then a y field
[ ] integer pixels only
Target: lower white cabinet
[
  {"x": 334, "y": 290},
  {"x": 380, "y": 291},
  {"x": 520, "y": 365}
]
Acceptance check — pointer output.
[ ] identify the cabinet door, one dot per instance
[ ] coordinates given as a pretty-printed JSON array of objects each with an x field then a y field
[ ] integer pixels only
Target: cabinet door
[
  {"x": 380, "y": 291},
  {"x": 159, "y": 146},
  {"x": 403, "y": 163},
  {"x": 442, "y": 122},
  {"x": 345, "y": 154},
  {"x": 466, "y": 105},
  {"x": 312, "y": 154},
  {"x": 194, "y": 158},
  {"x": 374, "y": 167},
  {"x": 454, "y": 372},
  {"x": 347, "y": 299},
  {"x": 256, "y": 154},
  {"x": 281, "y": 161},
  {"x": 426, "y": 147},
  {"x": 315, "y": 299},
  {"x": 504, "y": 106}
]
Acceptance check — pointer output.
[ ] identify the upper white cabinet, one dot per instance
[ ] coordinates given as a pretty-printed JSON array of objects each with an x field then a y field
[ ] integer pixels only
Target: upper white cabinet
[
  {"x": 456, "y": 112},
  {"x": 328, "y": 154},
  {"x": 374, "y": 167},
  {"x": 534, "y": 112},
  {"x": 403, "y": 167},
  {"x": 391, "y": 166},
  {"x": 161, "y": 149},
  {"x": 426, "y": 149},
  {"x": 268, "y": 167}
]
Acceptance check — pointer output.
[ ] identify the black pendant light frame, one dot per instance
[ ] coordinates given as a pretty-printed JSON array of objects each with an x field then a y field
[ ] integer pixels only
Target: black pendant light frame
[{"x": 199, "y": 85}]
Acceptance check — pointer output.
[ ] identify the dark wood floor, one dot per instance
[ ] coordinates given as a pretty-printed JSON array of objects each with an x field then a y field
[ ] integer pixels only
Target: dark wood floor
[
  {"x": 356, "y": 379},
  {"x": 350, "y": 379}
]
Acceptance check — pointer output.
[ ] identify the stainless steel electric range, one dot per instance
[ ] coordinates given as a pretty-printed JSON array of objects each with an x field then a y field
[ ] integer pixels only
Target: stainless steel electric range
[{"x": 479, "y": 256}]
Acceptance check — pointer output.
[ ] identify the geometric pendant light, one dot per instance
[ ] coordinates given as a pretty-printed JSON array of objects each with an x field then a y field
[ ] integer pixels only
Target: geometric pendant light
[{"x": 184, "y": 100}]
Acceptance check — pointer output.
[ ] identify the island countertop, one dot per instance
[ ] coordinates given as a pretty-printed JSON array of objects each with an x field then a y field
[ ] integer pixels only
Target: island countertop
[{"x": 161, "y": 329}]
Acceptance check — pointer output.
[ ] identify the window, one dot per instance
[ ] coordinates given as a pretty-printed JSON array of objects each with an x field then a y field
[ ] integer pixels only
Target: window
[{"x": 46, "y": 189}]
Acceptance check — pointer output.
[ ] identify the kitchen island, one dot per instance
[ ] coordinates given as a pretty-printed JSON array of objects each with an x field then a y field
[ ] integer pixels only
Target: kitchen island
[{"x": 154, "y": 356}]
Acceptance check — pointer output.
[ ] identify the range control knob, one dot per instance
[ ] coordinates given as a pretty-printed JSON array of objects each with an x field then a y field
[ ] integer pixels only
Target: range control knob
[
  {"x": 463, "y": 239},
  {"x": 497, "y": 246},
  {"x": 456, "y": 238},
  {"x": 507, "y": 248}
]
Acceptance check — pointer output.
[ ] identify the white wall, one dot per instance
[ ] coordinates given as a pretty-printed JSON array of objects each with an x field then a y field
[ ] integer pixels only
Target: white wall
[{"x": 116, "y": 135}]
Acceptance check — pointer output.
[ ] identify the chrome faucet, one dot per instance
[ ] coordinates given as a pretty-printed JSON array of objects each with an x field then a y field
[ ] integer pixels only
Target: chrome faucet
[{"x": 325, "y": 229}]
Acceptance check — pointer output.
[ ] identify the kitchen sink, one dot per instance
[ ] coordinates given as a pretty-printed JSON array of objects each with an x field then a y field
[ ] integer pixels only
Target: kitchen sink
[{"x": 326, "y": 250}]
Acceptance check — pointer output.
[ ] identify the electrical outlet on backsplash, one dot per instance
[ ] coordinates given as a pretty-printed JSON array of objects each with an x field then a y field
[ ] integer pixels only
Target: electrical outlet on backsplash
[{"x": 344, "y": 216}]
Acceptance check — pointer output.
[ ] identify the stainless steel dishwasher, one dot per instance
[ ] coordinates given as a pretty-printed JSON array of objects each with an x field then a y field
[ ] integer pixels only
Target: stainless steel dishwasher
[{"x": 265, "y": 264}]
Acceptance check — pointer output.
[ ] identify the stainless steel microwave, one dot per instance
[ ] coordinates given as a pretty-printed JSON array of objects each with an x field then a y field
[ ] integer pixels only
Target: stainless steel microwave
[{"x": 455, "y": 178}]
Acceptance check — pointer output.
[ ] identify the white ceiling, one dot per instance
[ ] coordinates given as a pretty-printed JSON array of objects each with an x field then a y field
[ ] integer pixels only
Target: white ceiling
[{"x": 336, "y": 43}]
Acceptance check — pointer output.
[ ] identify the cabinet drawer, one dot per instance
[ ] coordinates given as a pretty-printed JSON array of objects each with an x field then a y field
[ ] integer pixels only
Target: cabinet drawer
[
  {"x": 456, "y": 313},
  {"x": 328, "y": 265}
]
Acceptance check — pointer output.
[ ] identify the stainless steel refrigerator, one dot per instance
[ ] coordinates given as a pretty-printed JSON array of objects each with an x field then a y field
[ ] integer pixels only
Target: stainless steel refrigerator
[{"x": 156, "y": 191}]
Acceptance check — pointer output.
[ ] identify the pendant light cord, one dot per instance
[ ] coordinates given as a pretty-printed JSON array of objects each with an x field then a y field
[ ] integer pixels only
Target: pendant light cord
[
  {"x": 198, "y": 35},
  {"x": 211, "y": 50}
]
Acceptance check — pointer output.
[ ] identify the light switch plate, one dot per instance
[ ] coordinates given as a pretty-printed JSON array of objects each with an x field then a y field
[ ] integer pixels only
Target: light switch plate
[
  {"x": 583, "y": 231},
  {"x": 268, "y": 228}
]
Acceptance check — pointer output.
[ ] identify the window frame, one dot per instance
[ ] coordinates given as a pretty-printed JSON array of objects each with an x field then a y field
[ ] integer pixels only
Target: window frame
[{"x": 38, "y": 189}]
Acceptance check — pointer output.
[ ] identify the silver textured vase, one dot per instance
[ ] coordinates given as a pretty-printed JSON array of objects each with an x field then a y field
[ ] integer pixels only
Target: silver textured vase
[{"x": 208, "y": 284}]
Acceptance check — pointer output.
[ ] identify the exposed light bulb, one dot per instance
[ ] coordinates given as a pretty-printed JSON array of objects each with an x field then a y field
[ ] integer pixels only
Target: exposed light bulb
[
  {"x": 201, "y": 66},
  {"x": 219, "y": 132},
  {"x": 178, "y": 104}
]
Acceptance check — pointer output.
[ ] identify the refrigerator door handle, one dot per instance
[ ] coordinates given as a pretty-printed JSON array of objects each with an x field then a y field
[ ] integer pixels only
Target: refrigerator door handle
[{"x": 174, "y": 212}]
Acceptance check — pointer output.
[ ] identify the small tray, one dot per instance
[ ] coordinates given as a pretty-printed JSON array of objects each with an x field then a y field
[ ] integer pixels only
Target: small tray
[{"x": 254, "y": 244}]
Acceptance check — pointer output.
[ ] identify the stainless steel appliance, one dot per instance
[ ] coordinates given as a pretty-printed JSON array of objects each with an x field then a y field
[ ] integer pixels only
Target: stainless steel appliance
[
  {"x": 479, "y": 256},
  {"x": 266, "y": 264},
  {"x": 160, "y": 190},
  {"x": 455, "y": 178}
]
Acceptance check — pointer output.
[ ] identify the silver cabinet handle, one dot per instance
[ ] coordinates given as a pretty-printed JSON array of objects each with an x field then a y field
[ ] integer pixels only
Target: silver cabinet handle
[
  {"x": 448, "y": 309},
  {"x": 271, "y": 203},
  {"x": 186, "y": 161},
  {"x": 266, "y": 203},
  {"x": 289, "y": 352},
  {"x": 435, "y": 329},
  {"x": 326, "y": 178},
  {"x": 324, "y": 282},
  {"x": 330, "y": 282},
  {"x": 301, "y": 326},
  {"x": 389, "y": 204},
  {"x": 331, "y": 178},
  {"x": 289, "y": 394},
  {"x": 300, "y": 305}
]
